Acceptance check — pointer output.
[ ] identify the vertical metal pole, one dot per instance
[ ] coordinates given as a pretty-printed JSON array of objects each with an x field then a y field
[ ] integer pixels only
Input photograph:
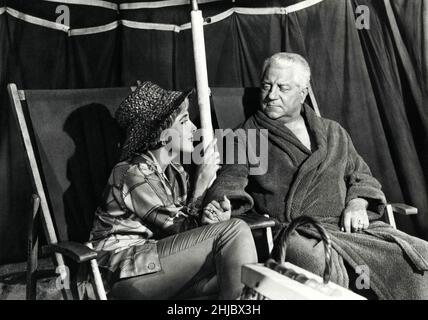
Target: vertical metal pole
[{"x": 201, "y": 74}]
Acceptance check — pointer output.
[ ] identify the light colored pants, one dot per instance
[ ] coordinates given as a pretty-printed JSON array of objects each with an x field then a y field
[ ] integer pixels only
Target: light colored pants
[{"x": 205, "y": 261}]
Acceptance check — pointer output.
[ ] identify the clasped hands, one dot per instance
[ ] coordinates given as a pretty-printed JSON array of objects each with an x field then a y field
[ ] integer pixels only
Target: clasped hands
[
  {"x": 217, "y": 211},
  {"x": 354, "y": 217}
]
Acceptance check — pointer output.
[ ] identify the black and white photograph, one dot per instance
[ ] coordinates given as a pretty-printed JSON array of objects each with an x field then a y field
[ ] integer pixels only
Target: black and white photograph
[{"x": 214, "y": 155}]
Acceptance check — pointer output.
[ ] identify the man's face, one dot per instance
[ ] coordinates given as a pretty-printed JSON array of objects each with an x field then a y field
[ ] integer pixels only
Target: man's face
[{"x": 281, "y": 94}]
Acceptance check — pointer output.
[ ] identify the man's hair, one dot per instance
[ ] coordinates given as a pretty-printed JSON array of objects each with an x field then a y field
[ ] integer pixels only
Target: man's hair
[{"x": 290, "y": 59}]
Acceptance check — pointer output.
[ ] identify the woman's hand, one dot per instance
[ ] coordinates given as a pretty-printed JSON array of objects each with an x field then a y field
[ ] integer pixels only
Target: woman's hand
[
  {"x": 217, "y": 211},
  {"x": 206, "y": 171},
  {"x": 354, "y": 217}
]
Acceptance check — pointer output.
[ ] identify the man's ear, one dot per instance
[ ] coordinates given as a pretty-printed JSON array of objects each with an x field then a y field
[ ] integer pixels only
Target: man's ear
[{"x": 304, "y": 94}]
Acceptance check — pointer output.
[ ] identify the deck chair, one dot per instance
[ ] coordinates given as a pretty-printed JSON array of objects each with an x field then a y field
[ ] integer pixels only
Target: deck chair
[
  {"x": 71, "y": 142},
  {"x": 232, "y": 106}
]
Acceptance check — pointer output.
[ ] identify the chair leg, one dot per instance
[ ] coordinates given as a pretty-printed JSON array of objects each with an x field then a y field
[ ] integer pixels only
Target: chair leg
[
  {"x": 390, "y": 216},
  {"x": 32, "y": 250},
  {"x": 269, "y": 239},
  {"x": 63, "y": 280},
  {"x": 97, "y": 279}
]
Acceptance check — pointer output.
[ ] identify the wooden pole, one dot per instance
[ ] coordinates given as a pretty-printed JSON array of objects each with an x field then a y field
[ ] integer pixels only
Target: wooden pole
[{"x": 201, "y": 74}]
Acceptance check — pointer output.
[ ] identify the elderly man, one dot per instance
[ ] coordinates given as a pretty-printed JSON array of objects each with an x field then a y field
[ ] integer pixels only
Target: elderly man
[{"x": 314, "y": 170}]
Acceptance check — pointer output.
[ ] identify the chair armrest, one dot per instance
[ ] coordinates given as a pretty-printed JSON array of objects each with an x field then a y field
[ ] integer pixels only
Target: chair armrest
[
  {"x": 256, "y": 221},
  {"x": 403, "y": 209},
  {"x": 76, "y": 251}
]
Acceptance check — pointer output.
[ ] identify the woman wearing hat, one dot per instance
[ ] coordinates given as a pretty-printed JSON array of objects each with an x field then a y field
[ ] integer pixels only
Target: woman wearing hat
[{"x": 153, "y": 241}]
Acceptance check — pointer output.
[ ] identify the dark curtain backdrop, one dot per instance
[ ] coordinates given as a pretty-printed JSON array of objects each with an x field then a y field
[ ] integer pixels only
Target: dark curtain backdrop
[{"x": 365, "y": 79}]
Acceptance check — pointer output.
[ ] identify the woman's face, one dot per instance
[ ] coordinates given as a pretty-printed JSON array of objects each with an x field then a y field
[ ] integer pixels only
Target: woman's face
[{"x": 180, "y": 134}]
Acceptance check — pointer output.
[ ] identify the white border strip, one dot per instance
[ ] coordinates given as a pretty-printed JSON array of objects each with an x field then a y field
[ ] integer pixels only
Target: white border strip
[
  {"x": 150, "y": 26},
  {"x": 94, "y": 3},
  {"x": 160, "y": 4},
  {"x": 84, "y": 31},
  {"x": 221, "y": 16},
  {"x": 258, "y": 11},
  {"x": 57, "y": 26},
  {"x": 37, "y": 21},
  {"x": 302, "y": 5},
  {"x": 213, "y": 19},
  {"x": 153, "y": 26}
]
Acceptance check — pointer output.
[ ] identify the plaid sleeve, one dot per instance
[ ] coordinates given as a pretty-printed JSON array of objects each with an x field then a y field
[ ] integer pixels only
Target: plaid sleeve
[{"x": 145, "y": 195}]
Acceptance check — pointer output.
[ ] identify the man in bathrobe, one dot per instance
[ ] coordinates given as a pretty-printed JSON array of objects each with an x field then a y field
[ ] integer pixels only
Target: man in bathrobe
[{"x": 314, "y": 170}]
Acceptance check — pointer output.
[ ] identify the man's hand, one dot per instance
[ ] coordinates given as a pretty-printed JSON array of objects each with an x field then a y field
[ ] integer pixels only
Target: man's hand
[
  {"x": 354, "y": 217},
  {"x": 216, "y": 212}
]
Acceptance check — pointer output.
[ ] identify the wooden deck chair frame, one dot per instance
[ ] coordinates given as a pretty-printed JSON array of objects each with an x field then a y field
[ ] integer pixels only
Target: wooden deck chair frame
[{"x": 76, "y": 251}]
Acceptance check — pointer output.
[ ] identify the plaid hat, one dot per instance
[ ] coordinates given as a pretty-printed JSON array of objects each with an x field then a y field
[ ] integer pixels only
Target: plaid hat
[{"x": 144, "y": 114}]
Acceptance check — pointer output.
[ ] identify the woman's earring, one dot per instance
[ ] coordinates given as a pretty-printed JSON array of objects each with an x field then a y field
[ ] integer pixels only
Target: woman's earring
[{"x": 163, "y": 142}]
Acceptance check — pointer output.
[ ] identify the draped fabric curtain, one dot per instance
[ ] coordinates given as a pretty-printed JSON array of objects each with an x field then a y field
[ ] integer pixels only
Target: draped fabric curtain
[{"x": 374, "y": 82}]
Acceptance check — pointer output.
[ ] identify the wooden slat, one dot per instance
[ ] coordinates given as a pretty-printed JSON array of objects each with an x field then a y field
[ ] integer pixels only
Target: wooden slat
[
  {"x": 405, "y": 209},
  {"x": 32, "y": 249},
  {"x": 98, "y": 281},
  {"x": 390, "y": 216},
  {"x": 314, "y": 101},
  {"x": 35, "y": 173}
]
